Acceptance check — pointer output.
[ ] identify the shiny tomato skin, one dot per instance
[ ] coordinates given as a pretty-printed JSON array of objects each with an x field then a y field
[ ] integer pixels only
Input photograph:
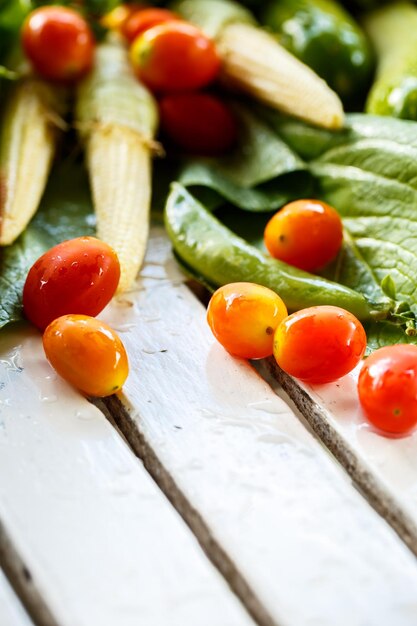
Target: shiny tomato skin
[
  {"x": 174, "y": 57},
  {"x": 387, "y": 388},
  {"x": 307, "y": 234},
  {"x": 198, "y": 123},
  {"x": 58, "y": 42},
  {"x": 77, "y": 276},
  {"x": 144, "y": 19},
  {"x": 243, "y": 318},
  {"x": 87, "y": 353},
  {"x": 319, "y": 344}
]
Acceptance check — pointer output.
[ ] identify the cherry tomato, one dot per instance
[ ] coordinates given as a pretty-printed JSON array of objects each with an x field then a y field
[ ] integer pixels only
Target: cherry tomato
[
  {"x": 58, "y": 42},
  {"x": 243, "y": 318},
  {"x": 319, "y": 344},
  {"x": 388, "y": 388},
  {"x": 144, "y": 19},
  {"x": 198, "y": 123},
  {"x": 77, "y": 276},
  {"x": 305, "y": 233},
  {"x": 86, "y": 353},
  {"x": 175, "y": 56},
  {"x": 117, "y": 17}
]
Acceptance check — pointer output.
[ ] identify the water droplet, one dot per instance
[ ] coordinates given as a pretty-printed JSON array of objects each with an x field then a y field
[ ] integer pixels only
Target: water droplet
[
  {"x": 84, "y": 414},
  {"x": 49, "y": 399}
]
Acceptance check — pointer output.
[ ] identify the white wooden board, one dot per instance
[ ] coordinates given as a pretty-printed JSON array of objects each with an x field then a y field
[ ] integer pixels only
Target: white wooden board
[
  {"x": 311, "y": 548},
  {"x": 12, "y": 612},
  {"x": 100, "y": 541}
]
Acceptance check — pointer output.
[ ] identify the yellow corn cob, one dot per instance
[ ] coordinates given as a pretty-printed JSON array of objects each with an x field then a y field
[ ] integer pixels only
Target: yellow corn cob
[
  {"x": 255, "y": 63},
  {"x": 28, "y": 140},
  {"x": 117, "y": 118}
]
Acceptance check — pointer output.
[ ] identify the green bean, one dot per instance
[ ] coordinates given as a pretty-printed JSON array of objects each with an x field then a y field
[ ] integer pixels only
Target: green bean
[{"x": 220, "y": 257}]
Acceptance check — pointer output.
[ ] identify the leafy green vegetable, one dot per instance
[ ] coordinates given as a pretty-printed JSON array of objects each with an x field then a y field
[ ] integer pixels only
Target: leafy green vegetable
[
  {"x": 369, "y": 173},
  {"x": 261, "y": 174},
  {"x": 65, "y": 212}
]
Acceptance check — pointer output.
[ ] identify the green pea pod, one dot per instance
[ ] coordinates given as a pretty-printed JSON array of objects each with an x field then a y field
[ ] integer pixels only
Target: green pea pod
[
  {"x": 325, "y": 37},
  {"x": 220, "y": 257}
]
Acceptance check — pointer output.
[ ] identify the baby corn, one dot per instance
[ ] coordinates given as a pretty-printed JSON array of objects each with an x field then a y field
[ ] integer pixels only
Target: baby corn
[
  {"x": 117, "y": 119},
  {"x": 28, "y": 136},
  {"x": 254, "y": 62}
]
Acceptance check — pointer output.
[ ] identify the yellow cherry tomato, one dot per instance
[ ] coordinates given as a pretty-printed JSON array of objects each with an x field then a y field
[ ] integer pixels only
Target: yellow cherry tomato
[
  {"x": 87, "y": 353},
  {"x": 243, "y": 317}
]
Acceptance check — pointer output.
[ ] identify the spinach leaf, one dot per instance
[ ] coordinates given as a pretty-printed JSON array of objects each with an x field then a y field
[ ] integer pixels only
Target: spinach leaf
[
  {"x": 65, "y": 212},
  {"x": 261, "y": 174}
]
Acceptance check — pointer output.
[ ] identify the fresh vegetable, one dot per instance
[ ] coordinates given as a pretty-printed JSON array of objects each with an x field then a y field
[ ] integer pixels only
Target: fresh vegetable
[
  {"x": 319, "y": 344},
  {"x": 326, "y": 38},
  {"x": 87, "y": 353},
  {"x": 116, "y": 18},
  {"x": 387, "y": 388},
  {"x": 198, "y": 123},
  {"x": 29, "y": 130},
  {"x": 175, "y": 57},
  {"x": 221, "y": 257},
  {"x": 305, "y": 233},
  {"x": 393, "y": 31},
  {"x": 58, "y": 42},
  {"x": 117, "y": 119},
  {"x": 77, "y": 276},
  {"x": 243, "y": 317},
  {"x": 143, "y": 19},
  {"x": 254, "y": 62}
]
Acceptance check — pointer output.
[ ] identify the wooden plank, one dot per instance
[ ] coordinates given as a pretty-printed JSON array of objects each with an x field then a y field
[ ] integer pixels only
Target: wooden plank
[
  {"x": 384, "y": 468},
  {"x": 100, "y": 542},
  {"x": 12, "y": 612},
  {"x": 273, "y": 510}
]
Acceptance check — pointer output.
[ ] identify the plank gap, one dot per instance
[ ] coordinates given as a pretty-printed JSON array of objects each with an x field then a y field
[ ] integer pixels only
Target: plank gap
[
  {"x": 368, "y": 485},
  {"x": 119, "y": 415},
  {"x": 23, "y": 584}
]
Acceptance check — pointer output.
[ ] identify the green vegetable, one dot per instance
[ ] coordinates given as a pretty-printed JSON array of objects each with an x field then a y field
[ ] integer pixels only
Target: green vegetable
[
  {"x": 12, "y": 14},
  {"x": 65, "y": 212},
  {"x": 261, "y": 174},
  {"x": 393, "y": 31},
  {"x": 369, "y": 173},
  {"x": 221, "y": 257},
  {"x": 325, "y": 37}
]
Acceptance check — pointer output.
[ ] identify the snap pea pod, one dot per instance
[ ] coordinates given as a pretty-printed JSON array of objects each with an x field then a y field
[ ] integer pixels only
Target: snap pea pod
[{"x": 221, "y": 257}]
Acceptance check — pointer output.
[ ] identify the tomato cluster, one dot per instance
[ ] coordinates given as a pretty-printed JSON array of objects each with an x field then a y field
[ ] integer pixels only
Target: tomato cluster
[
  {"x": 64, "y": 290},
  {"x": 318, "y": 345},
  {"x": 173, "y": 58}
]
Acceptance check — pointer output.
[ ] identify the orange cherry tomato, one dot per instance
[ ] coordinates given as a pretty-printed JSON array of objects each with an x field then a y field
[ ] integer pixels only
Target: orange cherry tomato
[
  {"x": 175, "y": 56},
  {"x": 387, "y": 388},
  {"x": 306, "y": 234},
  {"x": 319, "y": 344},
  {"x": 77, "y": 276},
  {"x": 199, "y": 123},
  {"x": 144, "y": 19},
  {"x": 58, "y": 42},
  {"x": 243, "y": 318},
  {"x": 87, "y": 353}
]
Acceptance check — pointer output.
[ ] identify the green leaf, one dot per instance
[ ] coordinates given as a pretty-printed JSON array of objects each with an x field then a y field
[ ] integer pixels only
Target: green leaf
[
  {"x": 388, "y": 286},
  {"x": 65, "y": 212},
  {"x": 261, "y": 174}
]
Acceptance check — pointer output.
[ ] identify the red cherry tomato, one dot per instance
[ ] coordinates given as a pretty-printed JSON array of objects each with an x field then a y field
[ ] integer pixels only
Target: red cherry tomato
[
  {"x": 175, "y": 56},
  {"x": 198, "y": 123},
  {"x": 243, "y": 318},
  {"x": 58, "y": 42},
  {"x": 319, "y": 344},
  {"x": 305, "y": 233},
  {"x": 87, "y": 353},
  {"x": 388, "y": 388},
  {"x": 144, "y": 19},
  {"x": 77, "y": 276}
]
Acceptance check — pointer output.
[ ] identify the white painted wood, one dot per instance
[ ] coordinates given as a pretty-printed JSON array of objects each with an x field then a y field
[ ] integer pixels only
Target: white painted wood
[
  {"x": 309, "y": 545},
  {"x": 102, "y": 544},
  {"x": 12, "y": 612},
  {"x": 392, "y": 460}
]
